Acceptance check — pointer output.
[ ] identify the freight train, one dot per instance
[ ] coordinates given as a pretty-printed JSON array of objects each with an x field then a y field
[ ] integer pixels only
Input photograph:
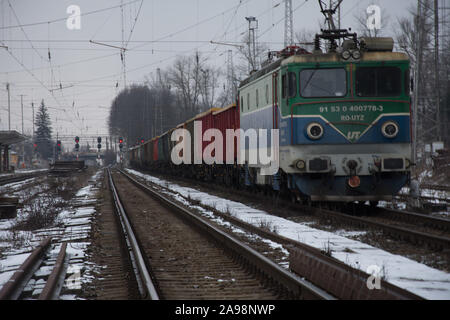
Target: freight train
[{"x": 343, "y": 118}]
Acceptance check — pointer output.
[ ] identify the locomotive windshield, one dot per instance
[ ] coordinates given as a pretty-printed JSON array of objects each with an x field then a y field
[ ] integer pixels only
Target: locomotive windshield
[
  {"x": 322, "y": 83},
  {"x": 378, "y": 81}
]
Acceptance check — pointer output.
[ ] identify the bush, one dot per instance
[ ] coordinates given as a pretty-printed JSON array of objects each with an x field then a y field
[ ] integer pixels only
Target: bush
[{"x": 40, "y": 213}]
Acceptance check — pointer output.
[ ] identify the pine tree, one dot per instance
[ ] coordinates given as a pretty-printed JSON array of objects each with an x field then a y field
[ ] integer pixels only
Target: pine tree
[{"x": 43, "y": 134}]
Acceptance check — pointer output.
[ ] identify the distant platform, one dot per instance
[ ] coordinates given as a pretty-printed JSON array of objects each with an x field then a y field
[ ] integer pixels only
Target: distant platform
[{"x": 11, "y": 137}]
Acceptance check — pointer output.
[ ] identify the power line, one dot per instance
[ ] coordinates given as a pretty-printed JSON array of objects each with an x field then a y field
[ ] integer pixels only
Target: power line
[
  {"x": 65, "y": 18},
  {"x": 135, "y": 20},
  {"x": 36, "y": 78},
  {"x": 62, "y": 65}
]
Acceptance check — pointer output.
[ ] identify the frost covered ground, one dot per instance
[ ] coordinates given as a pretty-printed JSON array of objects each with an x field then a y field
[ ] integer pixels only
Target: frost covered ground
[
  {"x": 398, "y": 270},
  {"x": 21, "y": 171},
  {"x": 73, "y": 227}
]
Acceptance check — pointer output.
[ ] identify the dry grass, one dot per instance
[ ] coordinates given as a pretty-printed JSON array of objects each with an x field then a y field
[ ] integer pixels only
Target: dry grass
[{"x": 40, "y": 213}]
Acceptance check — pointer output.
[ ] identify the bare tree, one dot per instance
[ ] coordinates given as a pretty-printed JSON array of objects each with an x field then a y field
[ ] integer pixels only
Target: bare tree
[
  {"x": 209, "y": 82},
  {"x": 185, "y": 76},
  {"x": 246, "y": 60},
  {"x": 305, "y": 38},
  {"x": 407, "y": 41}
]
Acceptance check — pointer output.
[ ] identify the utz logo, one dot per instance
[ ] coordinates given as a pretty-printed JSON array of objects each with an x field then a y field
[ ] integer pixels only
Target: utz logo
[{"x": 353, "y": 135}]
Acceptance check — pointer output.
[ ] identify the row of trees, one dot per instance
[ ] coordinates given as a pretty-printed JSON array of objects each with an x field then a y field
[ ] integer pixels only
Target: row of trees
[{"x": 169, "y": 97}]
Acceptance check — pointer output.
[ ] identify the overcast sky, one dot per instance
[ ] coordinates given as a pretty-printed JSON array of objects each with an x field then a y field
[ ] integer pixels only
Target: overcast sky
[{"x": 89, "y": 73}]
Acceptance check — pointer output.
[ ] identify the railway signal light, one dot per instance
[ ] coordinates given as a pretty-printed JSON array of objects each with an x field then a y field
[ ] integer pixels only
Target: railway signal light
[
  {"x": 77, "y": 139},
  {"x": 99, "y": 139},
  {"x": 99, "y": 146},
  {"x": 58, "y": 145},
  {"x": 142, "y": 141},
  {"x": 77, "y": 147}
]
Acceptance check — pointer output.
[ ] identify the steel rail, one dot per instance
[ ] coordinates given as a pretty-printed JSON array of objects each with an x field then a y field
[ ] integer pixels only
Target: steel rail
[
  {"x": 138, "y": 261},
  {"x": 426, "y": 198},
  {"x": 291, "y": 282},
  {"x": 54, "y": 282},
  {"x": 336, "y": 270},
  {"x": 412, "y": 217},
  {"x": 15, "y": 285},
  {"x": 435, "y": 187},
  {"x": 8, "y": 179},
  {"x": 414, "y": 237}
]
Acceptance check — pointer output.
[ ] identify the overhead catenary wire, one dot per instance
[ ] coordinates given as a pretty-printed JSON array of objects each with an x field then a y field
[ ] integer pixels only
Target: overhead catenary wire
[
  {"x": 36, "y": 78},
  {"x": 65, "y": 18}
]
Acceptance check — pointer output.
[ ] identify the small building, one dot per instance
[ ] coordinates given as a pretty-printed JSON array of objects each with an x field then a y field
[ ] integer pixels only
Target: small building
[{"x": 8, "y": 138}]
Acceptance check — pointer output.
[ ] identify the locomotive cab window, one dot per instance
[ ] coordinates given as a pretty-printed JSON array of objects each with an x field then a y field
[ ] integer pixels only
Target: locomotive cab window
[
  {"x": 283, "y": 86},
  {"x": 378, "y": 81},
  {"x": 292, "y": 85},
  {"x": 323, "y": 83}
]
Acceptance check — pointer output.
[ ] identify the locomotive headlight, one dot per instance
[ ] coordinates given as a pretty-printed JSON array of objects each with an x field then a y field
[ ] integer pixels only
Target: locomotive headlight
[
  {"x": 356, "y": 55},
  {"x": 314, "y": 131},
  {"x": 300, "y": 165},
  {"x": 390, "y": 129},
  {"x": 346, "y": 55},
  {"x": 407, "y": 163}
]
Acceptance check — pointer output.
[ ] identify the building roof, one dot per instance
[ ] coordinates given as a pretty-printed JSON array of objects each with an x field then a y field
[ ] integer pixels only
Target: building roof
[{"x": 11, "y": 137}]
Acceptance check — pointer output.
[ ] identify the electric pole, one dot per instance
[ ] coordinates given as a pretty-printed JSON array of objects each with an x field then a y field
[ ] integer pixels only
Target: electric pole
[
  {"x": 122, "y": 52},
  {"x": 252, "y": 26},
  {"x": 21, "y": 106},
  {"x": 158, "y": 70},
  {"x": 231, "y": 87},
  {"x": 9, "y": 107},
  {"x": 436, "y": 69},
  {"x": 417, "y": 75},
  {"x": 288, "y": 24},
  {"x": 32, "y": 108}
]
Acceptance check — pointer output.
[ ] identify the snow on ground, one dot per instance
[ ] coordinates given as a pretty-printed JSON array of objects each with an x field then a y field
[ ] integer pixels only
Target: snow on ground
[
  {"x": 22, "y": 171},
  {"x": 75, "y": 227},
  {"x": 12, "y": 187},
  {"x": 398, "y": 270}
]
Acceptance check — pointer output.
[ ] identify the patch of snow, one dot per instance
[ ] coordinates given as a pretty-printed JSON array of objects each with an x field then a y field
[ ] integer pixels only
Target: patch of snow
[{"x": 408, "y": 274}]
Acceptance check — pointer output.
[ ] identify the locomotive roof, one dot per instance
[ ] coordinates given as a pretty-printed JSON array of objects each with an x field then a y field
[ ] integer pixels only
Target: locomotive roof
[
  {"x": 324, "y": 57},
  {"x": 274, "y": 65},
  {"x": 334, "y": 57}
]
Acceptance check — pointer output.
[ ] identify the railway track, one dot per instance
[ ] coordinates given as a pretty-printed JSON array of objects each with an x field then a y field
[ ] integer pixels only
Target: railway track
[
  {"x": 313, "y": 264},
  {"x": 15, "y": 288},
  {"x": 432, "y": 233},
  {"x": 21, "y": 177},
  {"x": 416, "y": 219},
  {"x": 414, "y": 228},
  {"x": 405, "y": 197},
  {"x": 188, "y": 258},
  {"x": 435, "y": 187}
]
